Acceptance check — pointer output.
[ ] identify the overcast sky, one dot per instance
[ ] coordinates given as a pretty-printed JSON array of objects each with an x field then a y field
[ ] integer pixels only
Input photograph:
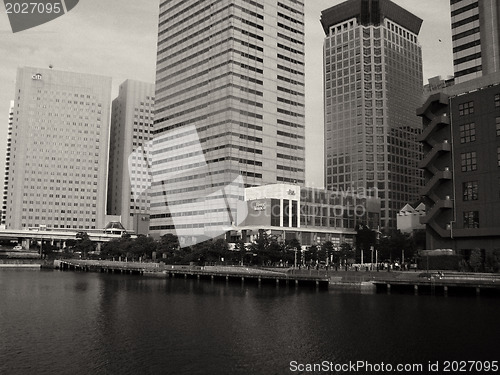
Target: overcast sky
[{"x": 117, "y": 38}]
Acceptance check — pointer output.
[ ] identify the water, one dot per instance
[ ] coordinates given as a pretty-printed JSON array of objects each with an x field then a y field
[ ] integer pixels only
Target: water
[{"x": 54, "y": 322}]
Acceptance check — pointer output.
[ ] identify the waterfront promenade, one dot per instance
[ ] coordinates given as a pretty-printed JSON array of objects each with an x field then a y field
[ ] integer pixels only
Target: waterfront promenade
[
  {"x": 227, "y": 273},
  {"x": 418, "y": 282}
]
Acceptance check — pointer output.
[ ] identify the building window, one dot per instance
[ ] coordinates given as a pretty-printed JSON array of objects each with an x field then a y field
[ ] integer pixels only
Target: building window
[
  {"x": 466, "y": 108},
  {"x": 497, "y": 121},
  {"x": 470, "y": 190},
  {"x": 471, "y": 219},
  {"x": 497, "y": 100},
  {"x": 468, "y": 161},
  {"x": 498, "y": 156},
  {"x": 468, "y": 133}
]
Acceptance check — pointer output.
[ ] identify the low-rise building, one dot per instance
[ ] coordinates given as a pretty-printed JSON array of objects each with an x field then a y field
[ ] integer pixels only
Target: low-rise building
[
  {"x": 461, "y": 139},
  {"x": 408, "y": 219},
  {"x": 313, "y": 216}
]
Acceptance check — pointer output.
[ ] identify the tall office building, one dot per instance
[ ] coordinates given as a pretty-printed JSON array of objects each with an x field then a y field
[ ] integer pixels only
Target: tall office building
[
  {"x": 373, "y": 84},
  {"x": 475, "y": 32},
  {"x": 7, "y": 163},
  {"x": 129, "y": 178},
  {"x": 59, "y": 150},
  {"x": 229, "y": 109}
]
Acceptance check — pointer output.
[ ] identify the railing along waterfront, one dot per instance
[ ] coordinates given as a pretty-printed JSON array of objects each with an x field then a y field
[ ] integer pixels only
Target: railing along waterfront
[{"x": 213, "y": 272}]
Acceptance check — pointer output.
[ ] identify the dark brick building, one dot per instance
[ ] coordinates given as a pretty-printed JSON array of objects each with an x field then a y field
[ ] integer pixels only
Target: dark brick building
[{"x": 461, "y": 140}]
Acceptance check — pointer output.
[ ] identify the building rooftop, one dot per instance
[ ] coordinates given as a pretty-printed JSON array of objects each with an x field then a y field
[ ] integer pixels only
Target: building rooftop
[{"x": 369, "y": 12}]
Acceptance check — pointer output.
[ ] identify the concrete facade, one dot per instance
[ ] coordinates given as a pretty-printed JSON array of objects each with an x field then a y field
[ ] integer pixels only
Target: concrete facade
[
  {"x": 7, "y": 164},
  {"x": 229, "y": 110},
  {"x": 129, "y": 179},
  {"x": 59, "y": 150},
  {"x": 408, "y": 219},
  {"x": 475, "y": 33},
  {"x": 373, "y": 83}
]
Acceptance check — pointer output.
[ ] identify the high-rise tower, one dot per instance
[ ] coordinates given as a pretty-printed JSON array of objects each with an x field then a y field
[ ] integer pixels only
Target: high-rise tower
[
  {"x": 7, "y": 163},
  {"x": 373, "y": 85},
  {"x": 229, "y": 109},
  {"x": 59, "y": 150},
  {"x": 129, "y": 178},
  {"x": 475, "y": 33}
]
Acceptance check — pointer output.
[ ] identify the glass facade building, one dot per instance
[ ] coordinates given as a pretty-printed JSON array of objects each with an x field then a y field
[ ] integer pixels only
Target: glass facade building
[
  {"x": 229, "y": 110},
  {"x": 373, "y": 85}
]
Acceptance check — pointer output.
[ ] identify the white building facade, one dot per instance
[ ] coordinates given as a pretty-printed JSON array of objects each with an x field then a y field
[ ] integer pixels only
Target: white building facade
[{"x": 59, "y": 150}]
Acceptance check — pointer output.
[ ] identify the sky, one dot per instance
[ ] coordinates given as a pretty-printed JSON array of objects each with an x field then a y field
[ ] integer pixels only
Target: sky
[{"x": 117, "y": 38}]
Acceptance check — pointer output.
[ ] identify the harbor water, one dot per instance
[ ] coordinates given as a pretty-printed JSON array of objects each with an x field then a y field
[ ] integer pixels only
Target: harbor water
[{"x": 54, "y": 322}]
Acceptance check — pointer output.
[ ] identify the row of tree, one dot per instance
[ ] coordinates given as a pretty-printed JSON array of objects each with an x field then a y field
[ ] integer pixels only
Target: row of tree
[{"x": 265, "y": 250}]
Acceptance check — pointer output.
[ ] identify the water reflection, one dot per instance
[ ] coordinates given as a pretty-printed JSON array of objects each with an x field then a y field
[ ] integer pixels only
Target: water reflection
[{"x": 85, "y": 323}]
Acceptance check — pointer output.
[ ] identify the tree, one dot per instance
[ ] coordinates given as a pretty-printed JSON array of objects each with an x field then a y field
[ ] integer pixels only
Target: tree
[
  {"x": 292, "y": 251},
  {"x": 312, "y": 255},
  {"x": 365, "y": 239},
  {"x": 346, "y": 252},
  {"x": 328, "y": 249},
  {"x": 218, "y": 250},
  {"x": 241, "y": 249},
  {"x": 143, "y": 247},
  {"x": 492, "y": 261},
  {"x": 391, "y": 247},
  {"x": 85, "y": 246},
  {"x": 167, "y": 246},
  {"x": 476, "y": 260},
  {"x": 260, "y": 248}
]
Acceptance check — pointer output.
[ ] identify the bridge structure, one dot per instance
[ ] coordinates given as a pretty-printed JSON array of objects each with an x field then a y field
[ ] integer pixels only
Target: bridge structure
[
  {"x": 224, "y": 273},
  {"x": 54, "y": 237}
]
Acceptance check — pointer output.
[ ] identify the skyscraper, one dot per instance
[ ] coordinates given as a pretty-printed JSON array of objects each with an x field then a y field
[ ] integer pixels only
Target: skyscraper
[
  {"x": 475, "y": 33},
  {"x": 373, "y": 84},
  {"x": 229, "y": 109},
  {"x": 59, "y": 150},
  {"x": 7, "y": 163},
  {"x": 131, "y": 132}
]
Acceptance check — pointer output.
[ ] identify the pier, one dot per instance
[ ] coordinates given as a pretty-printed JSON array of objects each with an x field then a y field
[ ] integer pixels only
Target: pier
[
  {"x": 239, "y": 274},
  {"x": 442, "y": 284}
]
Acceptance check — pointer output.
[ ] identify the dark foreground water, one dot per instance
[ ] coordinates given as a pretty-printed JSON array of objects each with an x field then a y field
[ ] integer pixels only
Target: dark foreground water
[{"x": 54, "y": 322}]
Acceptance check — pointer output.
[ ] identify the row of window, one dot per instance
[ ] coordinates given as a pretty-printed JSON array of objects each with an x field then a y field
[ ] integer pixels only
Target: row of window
[
  {"x": 468, "y": 160},
  {"x": 56, "y": 226}
]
